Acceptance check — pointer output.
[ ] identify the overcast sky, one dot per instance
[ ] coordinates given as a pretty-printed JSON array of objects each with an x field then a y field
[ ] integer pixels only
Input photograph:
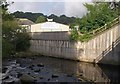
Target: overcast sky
[{"x": 47, "y": 7}]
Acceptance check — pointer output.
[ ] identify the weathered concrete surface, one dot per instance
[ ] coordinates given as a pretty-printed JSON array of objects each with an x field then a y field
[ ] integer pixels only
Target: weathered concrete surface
[
  {"x": 104, "y": 48},
  {"x": 63, "y": 35}
]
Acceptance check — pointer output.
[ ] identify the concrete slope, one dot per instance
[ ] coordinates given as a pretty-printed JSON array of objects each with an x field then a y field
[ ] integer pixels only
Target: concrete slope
[{"x": 104, "y": 48}]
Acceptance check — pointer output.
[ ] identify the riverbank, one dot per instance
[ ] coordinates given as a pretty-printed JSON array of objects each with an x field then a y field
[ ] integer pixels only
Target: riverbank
[{"x": 34, "y": 55}]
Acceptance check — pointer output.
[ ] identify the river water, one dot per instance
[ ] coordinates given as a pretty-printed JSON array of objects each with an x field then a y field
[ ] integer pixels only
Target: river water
[{"x": 73, "y": 69}]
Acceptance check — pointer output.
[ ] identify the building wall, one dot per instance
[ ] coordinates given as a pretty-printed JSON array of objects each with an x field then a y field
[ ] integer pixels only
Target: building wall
[
  {"x": 104, "y": 48},
  {"x": 35, "y": 28}
]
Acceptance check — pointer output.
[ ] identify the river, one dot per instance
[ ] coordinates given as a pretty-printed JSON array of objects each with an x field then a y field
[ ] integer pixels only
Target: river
[{"x": 58, "y": 70}]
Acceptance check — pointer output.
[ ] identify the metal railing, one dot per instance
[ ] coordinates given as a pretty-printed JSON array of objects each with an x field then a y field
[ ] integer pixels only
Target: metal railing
[
  {"x": 105, "y": 27},
  {"x": 101, "y": 29},
  {"x": 105, "y": 52}
]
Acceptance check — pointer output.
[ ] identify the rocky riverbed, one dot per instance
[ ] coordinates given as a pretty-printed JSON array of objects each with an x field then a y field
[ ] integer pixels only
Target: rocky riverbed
[
  {"x": 41, "y": 69},
  {"x": 21, "y": 70}
]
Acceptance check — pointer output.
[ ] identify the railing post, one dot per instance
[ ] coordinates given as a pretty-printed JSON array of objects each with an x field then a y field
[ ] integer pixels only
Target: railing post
[
  {"x": 94, "y": 61},
  {"x": 105, "y": 26},
  {"x": 112, "y": 45},
  {"x": 103, "y": 53}
]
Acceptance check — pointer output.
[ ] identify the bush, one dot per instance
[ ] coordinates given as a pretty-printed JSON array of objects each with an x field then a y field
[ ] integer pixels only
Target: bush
[
  {"x": 74, "y": 35},
  {"x": 14, "y": 38},
  {"x": 22, "y": 42},
  {"x": 85, "y": 37},
  {"x": 7, "y": 48}
]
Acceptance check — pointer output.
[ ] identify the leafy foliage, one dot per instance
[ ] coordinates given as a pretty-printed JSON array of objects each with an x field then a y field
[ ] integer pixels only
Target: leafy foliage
[
  {"x": 85, "y": 37},
  {"x": 74, "y": 35},
  {"x": 7, "y": 48},
  {"x": 98, "y": 15},
  {"x": 22, "y": 44},
  {"x": 14, "y": 38},
  {"x": 40, "y": 19}
]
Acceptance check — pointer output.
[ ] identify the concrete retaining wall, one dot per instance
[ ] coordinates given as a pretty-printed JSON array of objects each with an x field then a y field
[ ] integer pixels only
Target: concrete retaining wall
[
  {"x": 104, "y": 48},
  {"x": 63, "y": 35}
]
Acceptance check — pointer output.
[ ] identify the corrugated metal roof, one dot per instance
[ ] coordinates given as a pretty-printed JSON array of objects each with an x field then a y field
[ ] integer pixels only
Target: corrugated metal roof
[{"x": 50, "y": 25}]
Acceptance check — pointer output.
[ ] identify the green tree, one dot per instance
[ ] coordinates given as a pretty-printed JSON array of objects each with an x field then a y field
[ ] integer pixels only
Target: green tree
[
  {"x": 13, "y": 36},
  {"x": 7, "y": 48},
  {"x": 74, "y": 35},
  {"x": 40, "y": 19},
  {"x": 22, "y": 44},
  {"x": 97, "y": 16}
]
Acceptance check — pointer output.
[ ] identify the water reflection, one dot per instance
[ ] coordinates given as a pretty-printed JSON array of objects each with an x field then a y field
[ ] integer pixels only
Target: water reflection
[
  {"x": 86, "y": 71},
  {"x": 97, "y": 73},
  {"x": 112, "y": 72}
]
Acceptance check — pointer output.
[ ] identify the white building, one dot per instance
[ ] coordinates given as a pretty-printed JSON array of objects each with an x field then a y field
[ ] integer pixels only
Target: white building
[
  {"x": 47, "y": 30},
  {"x": 49, "y": 26}
]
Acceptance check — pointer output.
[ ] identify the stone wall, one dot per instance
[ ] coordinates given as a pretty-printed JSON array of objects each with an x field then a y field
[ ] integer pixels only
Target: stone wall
[{"x": 103, "y": 48}]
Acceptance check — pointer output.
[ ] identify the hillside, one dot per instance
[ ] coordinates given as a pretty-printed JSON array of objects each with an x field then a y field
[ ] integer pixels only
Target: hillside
[{"x": 33, "y": 17}]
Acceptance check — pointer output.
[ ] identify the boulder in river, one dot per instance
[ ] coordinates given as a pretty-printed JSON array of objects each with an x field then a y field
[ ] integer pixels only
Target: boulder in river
[
  {"x": 26, "y": 78},
  {"x": 11, "y": 80},
  {"x": 19, "y": 74},
  {"x": 69, "y": 75},
  {"x": 55, "y": 75},
  {"x": 37, "y": 70},
  {"x": 41, "y": 77},
  {"x": 4, "y": 69},
  {"x": 5, "y": 77},
  {"x": 40, "y": 65}
]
